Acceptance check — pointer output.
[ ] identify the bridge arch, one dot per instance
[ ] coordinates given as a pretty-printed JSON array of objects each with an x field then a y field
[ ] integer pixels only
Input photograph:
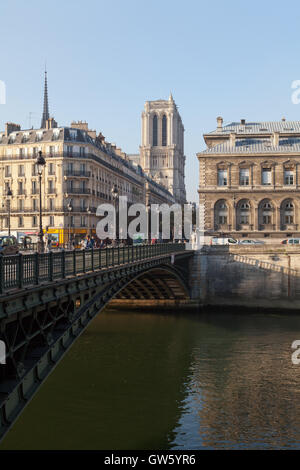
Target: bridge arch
[{"x": 57, "y": 313}]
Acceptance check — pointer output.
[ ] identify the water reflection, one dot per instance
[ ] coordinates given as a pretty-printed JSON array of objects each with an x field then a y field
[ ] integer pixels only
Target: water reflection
[
  {"x": 244, "y": 389},
  {"x": 152, "y": 381}
]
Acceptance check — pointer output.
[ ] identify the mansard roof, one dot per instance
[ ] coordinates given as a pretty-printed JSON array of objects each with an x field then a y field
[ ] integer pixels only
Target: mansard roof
[
  {"x": 257, "y": 145},
  {"x": 263, "y": 127}
]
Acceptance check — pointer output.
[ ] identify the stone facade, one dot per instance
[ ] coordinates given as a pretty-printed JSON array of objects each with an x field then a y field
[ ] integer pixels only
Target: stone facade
[
  {"x": 162, "y": 149},
  {"x": 250, "y": 179},
  {"x": 80, "y": 171}
]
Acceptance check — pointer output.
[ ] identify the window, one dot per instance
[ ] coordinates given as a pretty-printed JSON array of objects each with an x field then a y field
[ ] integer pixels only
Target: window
[
  {"x": 34, "y": 187},
  {"x": 35, "y": 204},
  {"x": 222, "y": 177},
  {"x": 266, "y": 213},
  {"x": 154, "y": 126},
  {"x": 51, "y": 168},
  {"x": 288, "y": 177},
  {"x": 82, "y": 151},
  {"x": 51, "y": 187},
  {"x": 82, "y": 221},
  {"x": 244, "y": 213},
  {"x": 69, "y": 150},
  {"x": 34, "y": 221},
  {"x": 164, "y": 130},
  {"x": 21, "y": 170},
  {"x": 51, "y": 220},
  {"x": 20, "y": 187},
  {"x": 7, "y": 171},
  {"x": 21, "y": 204},
  {"x": 222, "y": 213},
  {"x": 289, "y": 213},
  {"x": 20, "y": 221},
  {"x": 266, "y": 176},
  {"x": 244, "y": 176},
  {"x": 51, "y": 204}
]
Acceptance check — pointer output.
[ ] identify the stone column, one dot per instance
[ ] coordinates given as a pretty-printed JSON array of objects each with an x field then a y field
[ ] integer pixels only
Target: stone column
[
  {"x": 233, "y": 218},
  {"x": 256, "y": 224},
  {"x": 277, "y": 218}
]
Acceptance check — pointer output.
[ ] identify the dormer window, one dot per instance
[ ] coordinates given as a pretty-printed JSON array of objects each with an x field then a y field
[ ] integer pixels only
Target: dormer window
[
  {"x": 73, "y": 134},
  {"x": 39, "y": 136}
]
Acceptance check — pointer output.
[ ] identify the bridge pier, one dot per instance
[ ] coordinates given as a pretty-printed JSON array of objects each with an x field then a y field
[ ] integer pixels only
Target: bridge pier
[{"x": 260, "y": 277}]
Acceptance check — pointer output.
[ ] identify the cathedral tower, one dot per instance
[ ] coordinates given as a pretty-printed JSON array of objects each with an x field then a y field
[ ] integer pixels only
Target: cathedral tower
[{"x": 162, "y": 150}]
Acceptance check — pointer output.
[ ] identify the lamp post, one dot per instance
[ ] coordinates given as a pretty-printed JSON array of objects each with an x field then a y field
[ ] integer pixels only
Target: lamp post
[
  {"x": 40, "y": 163},
  {"x": 88, "y": 210},
  {"x": 115, "y": 197},
  {"x": 70, "y": 208},
  {"x": 9, "y": 195},
  {"x": 148, "y": 222}
]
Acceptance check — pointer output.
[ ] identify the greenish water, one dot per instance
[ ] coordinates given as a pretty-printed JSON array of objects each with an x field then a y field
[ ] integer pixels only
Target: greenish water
[{"x": 170, "y": 381}]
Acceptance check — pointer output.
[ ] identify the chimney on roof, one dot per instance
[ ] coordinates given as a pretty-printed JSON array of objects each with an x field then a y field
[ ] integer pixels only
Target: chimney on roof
[
  {"x": 232, "y": 136},
  {"x": 275, "y": 139},
  {"x": 219, "y": 122},
  {"x": 51, "y": 123},
  {"x": 11, "y": 127},
  {"x": 243, "y": 122}
]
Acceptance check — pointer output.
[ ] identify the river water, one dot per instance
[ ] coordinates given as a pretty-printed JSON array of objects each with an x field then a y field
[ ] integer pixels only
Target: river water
[{"x": 170, "y": 381}]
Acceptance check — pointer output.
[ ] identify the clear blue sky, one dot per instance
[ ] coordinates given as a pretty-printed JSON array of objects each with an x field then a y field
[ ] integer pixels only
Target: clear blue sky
[{"x": 106, "y": 58}]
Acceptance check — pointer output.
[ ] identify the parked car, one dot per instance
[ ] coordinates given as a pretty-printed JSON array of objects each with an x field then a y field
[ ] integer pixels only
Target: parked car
[
  {"x": 223, "y": 241},
  {"x": 251, "y": 242},
  {"x": 291, "y": 241},
  {"x": 8, "y": 245}
]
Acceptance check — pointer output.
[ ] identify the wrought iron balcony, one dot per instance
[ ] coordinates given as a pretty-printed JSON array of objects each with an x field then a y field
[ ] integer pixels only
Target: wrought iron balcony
[
  {"x": 78, "y": 191},
  {"x": 78, "y": 174}
]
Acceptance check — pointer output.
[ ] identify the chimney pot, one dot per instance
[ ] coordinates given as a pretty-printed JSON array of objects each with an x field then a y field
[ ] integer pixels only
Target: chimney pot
[{"x": 219, "y": 122}]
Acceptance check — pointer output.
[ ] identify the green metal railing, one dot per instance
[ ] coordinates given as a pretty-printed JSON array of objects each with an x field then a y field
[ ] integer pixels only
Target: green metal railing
[{"x": 23, "y": 270}]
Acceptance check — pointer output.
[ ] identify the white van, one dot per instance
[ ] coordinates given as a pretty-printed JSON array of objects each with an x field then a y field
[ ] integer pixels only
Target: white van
[{"x": 223, "y": 241}]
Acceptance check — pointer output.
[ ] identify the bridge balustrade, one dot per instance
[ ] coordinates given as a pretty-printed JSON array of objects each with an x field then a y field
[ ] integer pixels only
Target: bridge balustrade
[{"x": 23, "y": 270}]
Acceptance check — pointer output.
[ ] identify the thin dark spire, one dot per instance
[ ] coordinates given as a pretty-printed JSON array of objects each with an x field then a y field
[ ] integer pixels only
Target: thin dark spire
[{"x": 46, "y": 106}]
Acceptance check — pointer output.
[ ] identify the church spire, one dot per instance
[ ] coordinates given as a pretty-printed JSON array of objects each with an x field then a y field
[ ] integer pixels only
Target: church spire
[{"x": 46, "y": 106}]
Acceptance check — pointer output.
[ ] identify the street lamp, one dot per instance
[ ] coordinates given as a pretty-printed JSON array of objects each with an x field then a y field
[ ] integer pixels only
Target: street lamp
[
  {"x": 148, "y": 207},
  {"x": 70, "y": 208},
  {"x": 40, "y": 163},
  {"x": 88, "y": 210},
  {"x": 115, "y": 197},
  {"x": 9, "y": 195}
]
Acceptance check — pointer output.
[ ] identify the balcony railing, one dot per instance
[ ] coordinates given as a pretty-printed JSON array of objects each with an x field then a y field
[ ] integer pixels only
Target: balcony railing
[
  {"x": 79, "y": 174},
  {"x": 78, "y": 190}
]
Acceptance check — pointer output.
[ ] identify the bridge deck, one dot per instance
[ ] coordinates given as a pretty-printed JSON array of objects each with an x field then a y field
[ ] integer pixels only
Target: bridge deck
[{"x": 28, "y": 270}]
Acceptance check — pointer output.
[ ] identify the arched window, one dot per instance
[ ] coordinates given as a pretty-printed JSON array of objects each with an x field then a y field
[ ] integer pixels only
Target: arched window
[
  {"x": 164, "y": 131},
  {"x": 243, "y": 213},
  {"x": 287, "y": 210},
  {"x": 265, "y": 212},
  {"x": 221, "y": 213},
  {"x": 154, "y": 126},
  {"x": 289, "y": 213}
]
